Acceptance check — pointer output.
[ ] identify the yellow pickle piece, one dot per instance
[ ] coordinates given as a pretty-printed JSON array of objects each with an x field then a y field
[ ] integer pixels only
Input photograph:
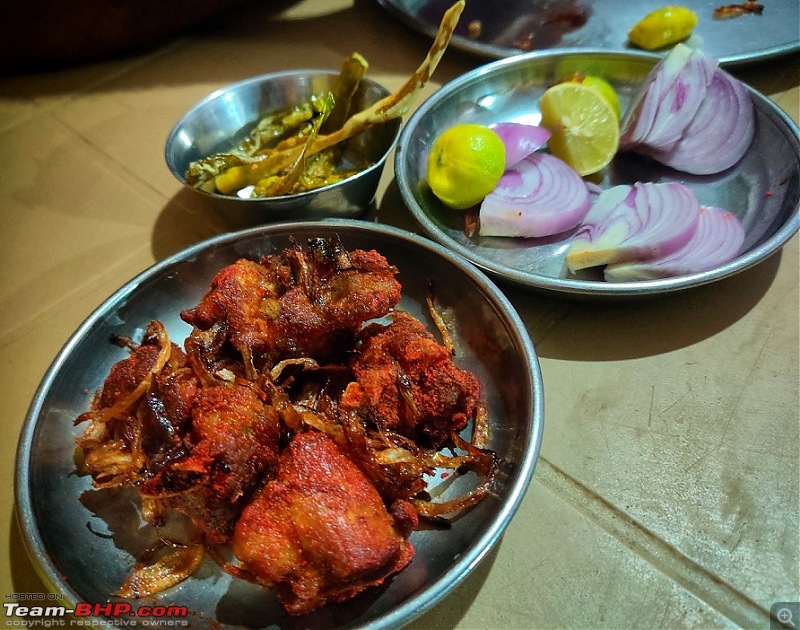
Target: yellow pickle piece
[{"x": 663, "y": 27}]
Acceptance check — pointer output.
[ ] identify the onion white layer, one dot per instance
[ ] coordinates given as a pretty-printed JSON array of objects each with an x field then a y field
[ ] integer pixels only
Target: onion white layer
[
  {"x": 538, "y": 196},
  {"x": 634, "y": 223},
  {"x": 716, "y": 241}
]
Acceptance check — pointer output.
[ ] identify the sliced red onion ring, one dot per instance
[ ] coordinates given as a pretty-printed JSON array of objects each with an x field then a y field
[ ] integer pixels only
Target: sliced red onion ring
[
  {"x": 690, "y": 115},
  {"x": 520, "y": 140},
  {"x": 717, "y": 240},
  {"x": 673, "y": 92},
  {"x": 536, "y": 197},
  {"x": 640, "y": 115},
  {"x": 634, "y": 223},
  {"x": 720, "y": 133}
]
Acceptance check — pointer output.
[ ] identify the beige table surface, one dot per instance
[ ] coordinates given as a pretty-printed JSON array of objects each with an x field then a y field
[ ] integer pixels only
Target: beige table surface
[{"x": 667, "y": 492}]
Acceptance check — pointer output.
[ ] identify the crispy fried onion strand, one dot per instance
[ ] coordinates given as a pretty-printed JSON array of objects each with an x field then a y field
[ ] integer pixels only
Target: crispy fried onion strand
[
  {"x": 201, "y": 346},
  {"x": 398, "y": 467},
  {"x": 441, "y": 325},
  {"x": 149, "y": 578},
  {"x": 112, "y": 442},
  {"x": 126, "y": 403}
]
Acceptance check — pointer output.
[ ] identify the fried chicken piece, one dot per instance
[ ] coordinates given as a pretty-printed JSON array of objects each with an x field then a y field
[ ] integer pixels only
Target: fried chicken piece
[
  {"x": 300, "y": 303},
  {"x": 407, "y": 382},
  {"x": 113, "y": 442},
  {"x": 320, "y": 532},
  {"x": 125, "y": 375},
  {"x": 233, "y": 445},
  {"x": 166, "y": 416}
]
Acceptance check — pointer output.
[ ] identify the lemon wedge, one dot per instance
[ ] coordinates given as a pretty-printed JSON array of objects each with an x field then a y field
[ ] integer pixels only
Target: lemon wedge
[{"x": 584, "y": 126}]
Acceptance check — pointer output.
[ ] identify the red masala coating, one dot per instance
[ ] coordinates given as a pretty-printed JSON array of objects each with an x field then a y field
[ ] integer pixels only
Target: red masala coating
[
  {"x": 177, "y": 393},
  {"x": 237, "y": 297},
  {"x": 301, "y": 303},
  {"x": 234, "y": 444},
  {"x": 409, "y": 383},
  {"x": 126, "y": 375},
  {"x": 320, "y": 532}
]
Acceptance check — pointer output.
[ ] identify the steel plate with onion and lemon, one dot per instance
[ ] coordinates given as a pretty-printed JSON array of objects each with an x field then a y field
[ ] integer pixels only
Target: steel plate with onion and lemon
[{"x": 626, "y": 174}]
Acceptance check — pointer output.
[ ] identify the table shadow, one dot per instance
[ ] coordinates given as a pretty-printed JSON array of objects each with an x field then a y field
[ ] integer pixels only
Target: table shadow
[
  {"x": 451, "y": 610},
  {"x": 105, "y": 32},
  {"x": 781, "y": 78},
  {"x": 629, "y": 329},
  {"x": 186, "y": 219},
  {"x": 249, "y": 24}
]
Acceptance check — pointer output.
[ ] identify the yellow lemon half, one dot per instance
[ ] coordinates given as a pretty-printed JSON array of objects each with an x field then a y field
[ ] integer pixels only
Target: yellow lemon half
[
  {"x": 465, "y": 164},
  {"x": 584, "y": 126}
]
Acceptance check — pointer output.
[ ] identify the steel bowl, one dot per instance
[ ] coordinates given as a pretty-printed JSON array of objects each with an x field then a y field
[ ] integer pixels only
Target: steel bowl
[
  {"x": 84, "y": 541},
  {"x": 221, "y": 120},
  {"x": 763, "y": 189}
]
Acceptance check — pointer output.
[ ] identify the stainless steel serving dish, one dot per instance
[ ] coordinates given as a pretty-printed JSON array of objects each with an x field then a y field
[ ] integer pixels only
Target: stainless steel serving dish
[
  {"x": 763, "y": 189},
  {"x": 512, "y": 27},
  {"x": 84, "y": 541},
  {"x": 221, "y": 120}
]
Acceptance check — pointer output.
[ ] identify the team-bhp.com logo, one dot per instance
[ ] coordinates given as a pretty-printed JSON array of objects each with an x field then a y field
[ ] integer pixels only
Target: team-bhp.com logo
[{"x": 43, "y": 613}]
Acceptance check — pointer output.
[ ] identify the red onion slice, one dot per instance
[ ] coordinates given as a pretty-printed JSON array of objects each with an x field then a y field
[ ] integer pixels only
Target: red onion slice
[
  {"x": 717, "y": 240},
  {"x": 720, "y": 133},
  {"x": 536, "y": 197},
  {"x": 673, "y": 92},
  {"x": 520, "y": 140},
  {"x": 640, "y": 115},
  {"x": 690, "y": 115},
  {"x": 634, "y": 223}
]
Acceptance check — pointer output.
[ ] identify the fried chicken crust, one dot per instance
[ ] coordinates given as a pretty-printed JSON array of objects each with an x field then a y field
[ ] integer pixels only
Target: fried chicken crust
[
  {"x": 289, "y": 428},
  {"x": 319, "y": 532},
  {"x": 300, "y": 303},
  {"x": 233, "y": 445},
  {"x": 407, "y": 382},
  {"x": 125, "y": 375}
]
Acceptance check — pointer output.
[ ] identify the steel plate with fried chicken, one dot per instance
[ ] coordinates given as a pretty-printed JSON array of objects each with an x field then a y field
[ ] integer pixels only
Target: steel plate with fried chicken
[{"x": 295, "y": 430}]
